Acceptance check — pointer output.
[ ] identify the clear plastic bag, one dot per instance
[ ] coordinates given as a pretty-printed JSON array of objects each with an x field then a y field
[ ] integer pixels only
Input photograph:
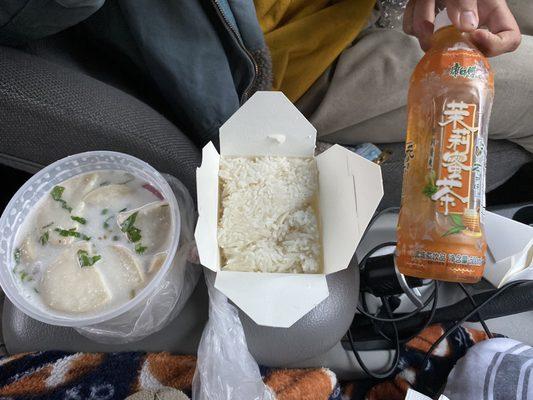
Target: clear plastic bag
[
  {"x": 225, "y": 368},
  {"x": 169, "y": 298}
]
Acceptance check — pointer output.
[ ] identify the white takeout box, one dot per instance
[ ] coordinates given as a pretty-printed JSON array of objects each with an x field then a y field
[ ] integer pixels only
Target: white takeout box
[
  {"x": 350, "y": 189},
  {"x": 510, "y": 255}
]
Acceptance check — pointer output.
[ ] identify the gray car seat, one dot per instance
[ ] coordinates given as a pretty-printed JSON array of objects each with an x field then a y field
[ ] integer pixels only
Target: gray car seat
[{"x": 55, "y": 107}]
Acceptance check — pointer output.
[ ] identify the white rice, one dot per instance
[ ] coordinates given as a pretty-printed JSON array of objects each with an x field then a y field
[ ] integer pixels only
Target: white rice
[{"x": 268, "y": 219}]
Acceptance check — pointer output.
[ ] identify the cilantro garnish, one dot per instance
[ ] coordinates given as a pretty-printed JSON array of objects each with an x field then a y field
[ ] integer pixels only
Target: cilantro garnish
[
  {"x": 71, "y": 232},
  {"x": 106, "y": 222},
  {"x": 128, "y": 225},
  {"x": 17, "y": 254},
  {"x": 86, "y": 260},
  {"x": 81, "y": 220},
  {"x": 129, "y": 222},
  {"x": 56, "y": 194},
  {"x": 105, "y": 211},
  {"x": 133, "y": 233},
  {"x": 140, "y": 249}
]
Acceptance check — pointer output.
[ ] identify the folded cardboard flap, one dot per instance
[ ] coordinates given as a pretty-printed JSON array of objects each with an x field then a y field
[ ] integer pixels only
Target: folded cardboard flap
[
  {"x": 350, "y": 188},
  {"x": 510, "y": 245},
  {"x": 273, "y": 299},
  {"x": 506, "y": 237},
  {"x": 368, "y": 189},
  {"x": 268, "y": 124},
  {"x": 207, "y": 225},
  {"x": 337, "y": 206}
]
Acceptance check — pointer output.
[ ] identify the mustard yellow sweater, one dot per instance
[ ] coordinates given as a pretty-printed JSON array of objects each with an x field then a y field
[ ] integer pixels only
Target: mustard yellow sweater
[{"x": 306, "y": 36}]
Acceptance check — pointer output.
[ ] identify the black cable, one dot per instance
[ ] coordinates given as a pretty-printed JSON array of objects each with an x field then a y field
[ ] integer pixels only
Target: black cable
[
  {"x": 363, "y": 261},
  {"x": 476, "y": 309},
  {"x": 427, "y": 322},
  {"x": 474, "y": 304},
  {"x": 374, "y": 319},
  {"x": 392, "y": 369},
  {"x": 404, "y": 316},
  {"x": 362, "y": 266},
  {"x": 430, "y": 317}
]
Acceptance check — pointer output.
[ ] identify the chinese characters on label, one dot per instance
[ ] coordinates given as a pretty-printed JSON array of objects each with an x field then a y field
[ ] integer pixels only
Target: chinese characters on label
[
  {"x": 453, "y": 258},
  {"x": 409, "y": 154},
  {"x": 457, "y": 70},
  {"x": 458, "y": 140}
]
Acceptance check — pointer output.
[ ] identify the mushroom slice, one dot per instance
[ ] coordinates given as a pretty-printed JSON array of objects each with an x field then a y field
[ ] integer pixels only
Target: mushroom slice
[
  {"x": 153, "y": 222},
  {"x": 77, "y": 187},
  {"x": 28, "y": 250},
  {"x": 103, "y": 195},
  {"x": 156, "y": 262},
  {"x": 68, "y": 287},
  {"x": 121, "y": 268}
]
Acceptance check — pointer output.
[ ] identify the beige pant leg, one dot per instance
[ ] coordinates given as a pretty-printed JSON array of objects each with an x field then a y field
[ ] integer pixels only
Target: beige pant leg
[
  {"x": 523, "y": 12},
  {"x": 363, "y": 97}
]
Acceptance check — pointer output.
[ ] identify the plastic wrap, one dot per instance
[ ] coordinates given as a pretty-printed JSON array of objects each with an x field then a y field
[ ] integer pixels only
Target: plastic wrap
[
  {"x": 225, "y": 368},
  {"x": 169, "y": 298}
]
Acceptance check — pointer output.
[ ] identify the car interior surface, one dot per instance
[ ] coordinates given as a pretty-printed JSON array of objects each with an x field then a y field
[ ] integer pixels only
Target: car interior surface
[{"x": 64, "y": 95}]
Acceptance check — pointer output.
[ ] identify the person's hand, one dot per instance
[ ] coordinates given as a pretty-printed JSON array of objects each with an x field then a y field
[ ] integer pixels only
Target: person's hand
[{"x": 502, "y": 35}]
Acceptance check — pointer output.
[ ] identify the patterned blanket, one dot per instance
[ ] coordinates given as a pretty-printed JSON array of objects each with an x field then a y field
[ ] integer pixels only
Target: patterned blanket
[{"x": 106, "y": 376}]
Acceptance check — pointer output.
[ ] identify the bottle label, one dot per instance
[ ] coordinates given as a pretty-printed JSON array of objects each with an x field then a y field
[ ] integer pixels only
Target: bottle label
[
  {"x": 458, "y": 141},
  {"x": 467, "y": 71}
]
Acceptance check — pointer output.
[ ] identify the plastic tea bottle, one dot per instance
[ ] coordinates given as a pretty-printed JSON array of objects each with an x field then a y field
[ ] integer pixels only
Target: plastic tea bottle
[{"x": 440, "y": 227}]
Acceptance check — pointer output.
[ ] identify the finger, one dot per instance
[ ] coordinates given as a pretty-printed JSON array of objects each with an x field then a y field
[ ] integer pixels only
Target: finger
[
  {"x": 424, "y": 45},
  {"x": 463, "y": 14},
  {"x": 425, "y": 40},
  {"x": 503, "y": 34},
  {"x": 494, "y": 44},
  {"x": 498, "y": 18},
  {"x": 408, "y": 17},
  {"x": 423, "y": 19}
]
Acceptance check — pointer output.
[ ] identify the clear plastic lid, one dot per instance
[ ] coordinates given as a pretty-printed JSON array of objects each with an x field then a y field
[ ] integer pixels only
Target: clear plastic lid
[{"x": 40, "y": 185}]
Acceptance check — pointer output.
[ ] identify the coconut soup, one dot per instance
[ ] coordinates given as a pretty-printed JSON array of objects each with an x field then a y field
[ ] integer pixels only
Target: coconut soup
[{"x": 92, "y": 243}]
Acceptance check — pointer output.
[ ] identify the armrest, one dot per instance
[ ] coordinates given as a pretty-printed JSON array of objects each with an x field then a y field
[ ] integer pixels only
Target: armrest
[{"x": 181, "y": 336}]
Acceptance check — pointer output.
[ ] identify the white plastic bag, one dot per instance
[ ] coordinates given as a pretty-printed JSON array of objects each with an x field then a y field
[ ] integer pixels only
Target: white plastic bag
[
  {"x": 225, "y": 369},
  {"x": 168, "y": 299}
]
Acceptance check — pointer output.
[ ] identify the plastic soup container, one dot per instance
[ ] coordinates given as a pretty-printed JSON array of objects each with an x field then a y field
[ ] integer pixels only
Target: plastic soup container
[{"x": 40, "y": 185}]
